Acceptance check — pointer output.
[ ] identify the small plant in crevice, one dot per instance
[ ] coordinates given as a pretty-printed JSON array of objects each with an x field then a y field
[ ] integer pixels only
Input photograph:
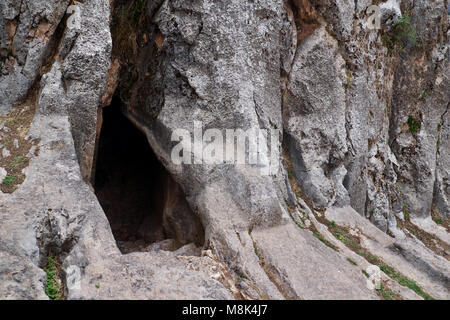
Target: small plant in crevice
[
  {"x": 255, "y": 249},
  {"x": 437, "y": 220},
  {"x": 241, "y": 277},
  {"x": 343, "y": 234},
  {"x": 413, "y": 124},
  {"x": 387, "y": 293},
  {"x": 324, "y": 241},
  {"x": 18, "y": 161},
  {"x": 9, "y": 180},
  {"x": 402, "y": 35},
  {"x": 53, "y": 287},
  {"x": 290, "y": 174},
  {"x": 432, "y": 242},
  {"x": 404, "y": 281},
  {"x": 14, "y": 128},
  {"x": 425, "y": 94},
  {"x": 348, "y": 79},
  {"x": 352, "y": 262}
]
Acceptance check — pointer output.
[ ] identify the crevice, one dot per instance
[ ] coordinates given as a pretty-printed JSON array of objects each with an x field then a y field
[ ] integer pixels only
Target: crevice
[
  {"x": 137, "y": 46},
  {"x": 306, "y": 18},
  {"x": 274, "y": 276},
  {"x": 305, "y": 21}
]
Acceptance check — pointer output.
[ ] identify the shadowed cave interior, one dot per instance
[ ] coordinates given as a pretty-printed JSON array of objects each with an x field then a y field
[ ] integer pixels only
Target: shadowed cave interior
[{"x": 146, "y": 208}]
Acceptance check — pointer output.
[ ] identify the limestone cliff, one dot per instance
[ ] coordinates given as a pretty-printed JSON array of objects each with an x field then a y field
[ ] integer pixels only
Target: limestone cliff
[{"x": 358, "y": 94}]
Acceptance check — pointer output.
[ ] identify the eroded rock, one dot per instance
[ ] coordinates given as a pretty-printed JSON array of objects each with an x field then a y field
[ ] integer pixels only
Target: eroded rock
[{"x": 363, "y": 125}]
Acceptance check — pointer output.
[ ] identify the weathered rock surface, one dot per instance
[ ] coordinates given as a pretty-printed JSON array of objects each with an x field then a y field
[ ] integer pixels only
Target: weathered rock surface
[
  {"x": 340, "y": 97},
  {"x": 28, "y": 36},
  {"x": 349, "y": 138},
  {"x": 406, "y": 255}
]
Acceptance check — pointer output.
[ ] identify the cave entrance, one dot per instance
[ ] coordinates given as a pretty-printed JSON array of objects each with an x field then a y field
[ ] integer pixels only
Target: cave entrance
[{"x": 146, "y": 208}]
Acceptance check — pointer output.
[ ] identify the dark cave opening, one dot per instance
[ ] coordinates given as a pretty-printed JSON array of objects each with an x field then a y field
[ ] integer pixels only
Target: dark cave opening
[{"x": 146, "y": 208}]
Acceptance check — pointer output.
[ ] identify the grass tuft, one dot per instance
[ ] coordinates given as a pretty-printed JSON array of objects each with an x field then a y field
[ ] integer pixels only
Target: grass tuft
[
  {"x": 322, "y": 239},
  {"x": 9, "y": 180},
  {"x": 387, "y": 293},
  {"x": 53, "y": 288},
  {"x": 401, "y": 36},
  {"x": 404, "y": 281}
]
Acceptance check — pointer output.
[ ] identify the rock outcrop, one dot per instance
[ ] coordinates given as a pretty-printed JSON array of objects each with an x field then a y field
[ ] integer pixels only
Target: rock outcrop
[{"x": 360, "y": 122}]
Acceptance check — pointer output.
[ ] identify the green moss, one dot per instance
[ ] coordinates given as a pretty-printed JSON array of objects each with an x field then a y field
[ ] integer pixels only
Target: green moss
[
  {"x": 352, "y": 262},
  {"x": 413, "y": 125}
]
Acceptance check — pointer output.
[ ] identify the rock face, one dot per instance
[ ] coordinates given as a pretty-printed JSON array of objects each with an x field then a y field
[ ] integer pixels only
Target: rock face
[
  {"x": 28, "y": 36},
  {"x": 361, "y": 141}
]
